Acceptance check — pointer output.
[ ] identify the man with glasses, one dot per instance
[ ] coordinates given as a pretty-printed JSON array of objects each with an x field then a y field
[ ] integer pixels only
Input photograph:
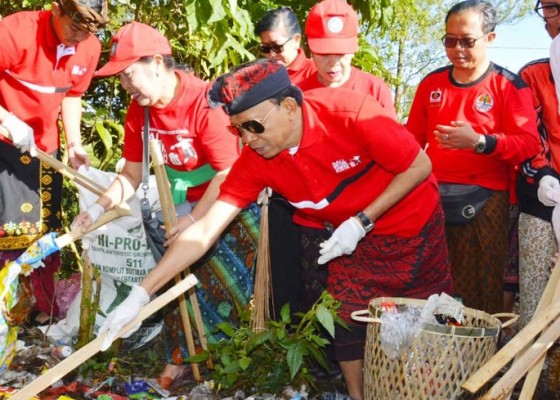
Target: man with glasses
[
  {"x": 46, "y": 64},
  {"x": 476, "y": 121},
  {"x": 342, "y": 161},
  {"x": 332, "y": 35},
  {"x": 538, "y": 187}
]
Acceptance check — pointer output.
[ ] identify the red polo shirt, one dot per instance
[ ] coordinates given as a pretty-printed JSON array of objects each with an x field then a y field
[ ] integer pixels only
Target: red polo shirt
[
  {"x": 187, "y": 121},
  {"x": 499, "y": 103},
  {"x": 362, "y": 82},
  {"x": 538, "y": 76},
  {"x": 37, "y": 72},
  {"x": 301, "y": 68},
  {"x": 343, "y": 133}
]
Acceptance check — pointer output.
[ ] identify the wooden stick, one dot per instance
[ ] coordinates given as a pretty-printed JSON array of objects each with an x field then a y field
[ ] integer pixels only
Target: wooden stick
[
  {"x": 506, "y": 383},
  {"x": 77, "y": 233},
  {"x": 551, "y": 293},
  {"x": 170, "y": 220},
  {"x": 63, "y": 169},
  {"x": 514, "y": 346},
  {"x": 93, "y": 347}
]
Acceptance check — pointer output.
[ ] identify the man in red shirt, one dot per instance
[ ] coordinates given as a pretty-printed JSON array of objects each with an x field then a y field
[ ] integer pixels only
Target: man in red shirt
[
  {"x": 342, "y": 161},
  {"x": 332, "y": 35},
  {"x": 46, "y": 64},
  {"x": 538, "y": 187},
  {"x": 476, "y": 121}
]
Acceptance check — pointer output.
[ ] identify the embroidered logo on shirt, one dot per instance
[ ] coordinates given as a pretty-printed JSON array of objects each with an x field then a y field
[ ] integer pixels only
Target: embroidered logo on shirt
[
  {"x": 343, "y": 165},
  {"x": 77, "y": 70},
  {"x": 484, "y": 103},
  {"x": 435, "y": 96}
]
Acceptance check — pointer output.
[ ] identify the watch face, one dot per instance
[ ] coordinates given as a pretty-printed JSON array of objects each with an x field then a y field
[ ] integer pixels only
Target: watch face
[{"x": 479, "y": 147}]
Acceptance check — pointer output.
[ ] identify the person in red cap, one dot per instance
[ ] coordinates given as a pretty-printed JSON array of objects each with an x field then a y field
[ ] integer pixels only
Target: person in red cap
[
  {"x": 477, "y": 123},
  {"x": 46, "y": 64},
  {"x": 342, "y": 161},
  {"x": 198, "y": 153},
  {"x": 332, "y": 36}
]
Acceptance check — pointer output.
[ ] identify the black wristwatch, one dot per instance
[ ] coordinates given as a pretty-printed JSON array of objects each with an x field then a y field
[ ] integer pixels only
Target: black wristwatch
[
  {"x": 367, "y": 223},
  {"x": 480, "y": 144}
]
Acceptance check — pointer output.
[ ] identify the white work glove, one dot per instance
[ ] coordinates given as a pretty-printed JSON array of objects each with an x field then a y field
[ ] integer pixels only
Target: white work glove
[
  {"x": 343, "y": 240},
  {"x": 122, "y": 315},
  {"x": 21, "y": 133},
  {"x": 549, "y": 191}
]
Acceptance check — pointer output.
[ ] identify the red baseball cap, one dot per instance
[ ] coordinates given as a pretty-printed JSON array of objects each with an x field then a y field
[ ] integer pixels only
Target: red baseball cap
[
  {"x": 132, "y": 42},
  {"x": 332, "y": 28}
]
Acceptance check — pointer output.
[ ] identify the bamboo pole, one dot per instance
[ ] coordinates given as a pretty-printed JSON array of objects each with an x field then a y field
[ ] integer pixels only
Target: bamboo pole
[
  {"x": 93, "y": 347},
  {"x": 170, "y": 219},
  {"x": 512, "y": 348}
]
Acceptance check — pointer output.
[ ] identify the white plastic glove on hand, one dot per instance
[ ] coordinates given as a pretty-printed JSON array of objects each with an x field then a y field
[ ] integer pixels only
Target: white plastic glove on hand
[
  {"x": 549, "y": 191},
  {"x": 123, "y": 314},
  {"x": 343, "y": 240},
  {"x": 21, "y": 133}
]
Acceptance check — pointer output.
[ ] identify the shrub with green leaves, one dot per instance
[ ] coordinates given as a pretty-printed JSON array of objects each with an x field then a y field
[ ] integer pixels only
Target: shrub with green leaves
[{"x": 269, "y": 360}]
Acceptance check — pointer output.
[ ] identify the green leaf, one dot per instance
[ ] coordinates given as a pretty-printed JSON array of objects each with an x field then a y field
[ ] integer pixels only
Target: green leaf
[
  {"x": 285, "y": 312},
  {"x": 295, "y": 358},
  {"x": 218, "y": 12},
  {"x": 326, "y": 319},
  {"x": 244, "y": 363}
]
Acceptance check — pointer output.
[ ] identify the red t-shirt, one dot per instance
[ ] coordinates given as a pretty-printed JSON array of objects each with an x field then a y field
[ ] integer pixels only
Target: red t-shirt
[
  {"x": 301, "y": 68},
  {"x": 362, "y": 82},
  {"x": 499, "y": 103},
  {"x": 538, "y": 76},
  {"x": 343, "y": 132},
  {"x": 192, "y": 133},
  {"x": 37, "y": 72}
]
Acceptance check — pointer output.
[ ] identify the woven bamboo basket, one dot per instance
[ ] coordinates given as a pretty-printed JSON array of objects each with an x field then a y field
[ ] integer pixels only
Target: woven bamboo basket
[{"x": 439, "y": 360}]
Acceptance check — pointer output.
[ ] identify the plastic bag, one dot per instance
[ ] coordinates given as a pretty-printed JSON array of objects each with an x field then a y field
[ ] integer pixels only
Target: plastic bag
[{"x": 399, "y": 328}]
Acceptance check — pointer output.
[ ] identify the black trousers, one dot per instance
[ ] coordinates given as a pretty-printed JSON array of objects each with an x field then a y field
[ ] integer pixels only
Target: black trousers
[{"x": 285, "y": 256}]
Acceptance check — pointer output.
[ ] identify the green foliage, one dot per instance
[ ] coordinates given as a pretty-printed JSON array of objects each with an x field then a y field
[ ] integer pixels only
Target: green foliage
[{"x": 268, "y": 360}]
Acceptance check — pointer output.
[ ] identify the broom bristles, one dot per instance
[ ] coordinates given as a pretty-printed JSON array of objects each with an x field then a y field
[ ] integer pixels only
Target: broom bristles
[{"x": 260, "y": 312}]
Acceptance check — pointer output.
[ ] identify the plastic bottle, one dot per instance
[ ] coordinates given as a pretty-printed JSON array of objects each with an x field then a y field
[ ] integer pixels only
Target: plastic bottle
[{"x": 62, "y": 352}]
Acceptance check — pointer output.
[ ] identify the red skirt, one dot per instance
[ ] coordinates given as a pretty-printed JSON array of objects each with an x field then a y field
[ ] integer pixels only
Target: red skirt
[{"x": 393, "y": 266}]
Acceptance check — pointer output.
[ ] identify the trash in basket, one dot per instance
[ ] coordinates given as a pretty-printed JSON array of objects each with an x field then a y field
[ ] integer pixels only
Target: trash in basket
[{"x": 438, "y": 360}]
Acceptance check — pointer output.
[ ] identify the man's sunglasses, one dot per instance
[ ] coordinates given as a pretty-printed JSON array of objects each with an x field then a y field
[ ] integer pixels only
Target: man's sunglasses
[
  {"x": 276, "y": 48},
  {"x": 253, "y": 125},
  {"x": 547, "y": 11},
  {"x": 466, "y": 43}
]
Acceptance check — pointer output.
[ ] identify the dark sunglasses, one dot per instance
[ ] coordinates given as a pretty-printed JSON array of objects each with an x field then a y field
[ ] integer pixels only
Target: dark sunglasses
[
  {"x": 547, "y": 11},
  {"x": 253, "y": 125},
  {"x": 466, "y": 43},
  {"x": 276, "y": 48}
]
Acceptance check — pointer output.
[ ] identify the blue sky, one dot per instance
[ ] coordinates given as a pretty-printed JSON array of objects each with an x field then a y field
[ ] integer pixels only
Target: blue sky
[{"x": 519, "y": 43}]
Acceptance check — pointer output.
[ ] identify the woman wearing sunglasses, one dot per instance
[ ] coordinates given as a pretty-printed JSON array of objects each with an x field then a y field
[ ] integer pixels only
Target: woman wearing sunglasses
[
  {"x": 280, "y": 35},
  {"x": 332, "y": 35},
  {"x": 477, "y": 121},
  {"x": 198, "y": 153},
  {"x": 342, "y": 161}
]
